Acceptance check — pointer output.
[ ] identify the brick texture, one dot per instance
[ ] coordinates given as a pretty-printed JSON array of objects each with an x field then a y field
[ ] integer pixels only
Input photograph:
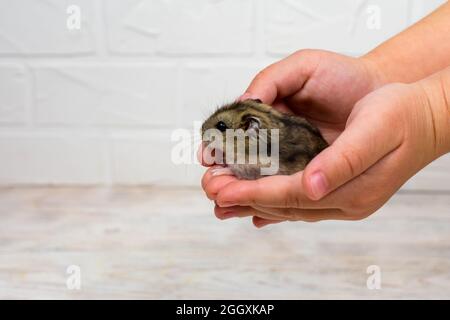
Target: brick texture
[
  {"x": 180, "y": 27},
  {"x": 98, "y": 105},
  {"x": 52, "y": 158},
  {"x": 216, "y": 84},
  {"x": 146, "y": 157},
  {"x": 344, "y": 26},
  {"x": 105, "y": 94},
  {"x": 14, "y": 94},
  {"x": 39, "y": 27}
]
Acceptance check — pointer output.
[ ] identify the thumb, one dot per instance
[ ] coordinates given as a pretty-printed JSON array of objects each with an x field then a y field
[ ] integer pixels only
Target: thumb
[
  {"x": 283, "y": 78},
  {"x": 364, "y": 142}
]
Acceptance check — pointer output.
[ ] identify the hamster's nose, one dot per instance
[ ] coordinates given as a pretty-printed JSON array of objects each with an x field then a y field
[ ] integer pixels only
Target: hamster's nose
[
  {"x": 208, "y": 156},
  {"x": 200, "y": 154}
]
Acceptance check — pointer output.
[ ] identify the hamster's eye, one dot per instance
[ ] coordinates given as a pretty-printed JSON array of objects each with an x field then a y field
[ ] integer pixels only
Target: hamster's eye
[{"x": 221, "y": 126}]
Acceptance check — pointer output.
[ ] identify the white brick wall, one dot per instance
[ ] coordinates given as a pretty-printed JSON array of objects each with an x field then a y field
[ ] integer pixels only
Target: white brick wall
[
  {"x": 14, "y": 93},
  {"x": 98, "y": 105},
  {"x": 340, "y": 27},
  {"x": 180, "y": 27},
  {"x": 52, "y": 157},
  {"x": 34, "y": 27},
  {"x": 105, "y": 94}
]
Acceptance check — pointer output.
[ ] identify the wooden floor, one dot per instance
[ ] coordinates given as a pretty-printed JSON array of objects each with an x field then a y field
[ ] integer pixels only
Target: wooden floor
[{"x": 153, "y": 243}]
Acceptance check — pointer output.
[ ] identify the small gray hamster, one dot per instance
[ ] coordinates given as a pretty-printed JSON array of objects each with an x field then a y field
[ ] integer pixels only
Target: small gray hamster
[{"x": 299, "y": 140}]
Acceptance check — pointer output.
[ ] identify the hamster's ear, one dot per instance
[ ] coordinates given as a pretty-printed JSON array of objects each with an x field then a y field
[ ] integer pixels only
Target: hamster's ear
[
  {"x": 255, "y": 100},
  {"x": 251, "y": 125}
]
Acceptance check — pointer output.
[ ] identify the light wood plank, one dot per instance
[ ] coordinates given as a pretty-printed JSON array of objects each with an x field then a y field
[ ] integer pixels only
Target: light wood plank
[{"x": 165, "y": 243}]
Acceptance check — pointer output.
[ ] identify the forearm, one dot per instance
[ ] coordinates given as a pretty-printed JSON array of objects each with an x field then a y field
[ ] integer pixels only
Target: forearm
[
  {"x": 436, "y": 98},
  {"x": 415, "y": 53}
]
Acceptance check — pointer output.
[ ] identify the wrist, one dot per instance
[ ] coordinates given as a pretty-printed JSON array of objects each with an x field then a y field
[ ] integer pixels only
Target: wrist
[
  {"x": 378, "y": 77},
  {"x": 436, "y": 95}
]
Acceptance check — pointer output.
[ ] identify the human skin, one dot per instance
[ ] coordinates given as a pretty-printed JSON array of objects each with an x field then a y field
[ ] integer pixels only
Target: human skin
[
  {"x": 377, "y": 143},
  {"x": 391, "y": 134}
]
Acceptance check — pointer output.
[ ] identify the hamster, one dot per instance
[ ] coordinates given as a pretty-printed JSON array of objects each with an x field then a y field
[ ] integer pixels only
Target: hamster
[{"x": 299, "y": 140}]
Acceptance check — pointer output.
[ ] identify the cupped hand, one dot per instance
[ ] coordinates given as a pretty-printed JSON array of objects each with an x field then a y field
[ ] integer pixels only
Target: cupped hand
[
  {"x": 319, "y": 85},
  {"x": 389, "y": 135}
]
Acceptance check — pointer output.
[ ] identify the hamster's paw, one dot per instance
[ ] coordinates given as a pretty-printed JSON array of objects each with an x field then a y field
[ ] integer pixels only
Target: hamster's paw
[{"x": 221, "y": 171}]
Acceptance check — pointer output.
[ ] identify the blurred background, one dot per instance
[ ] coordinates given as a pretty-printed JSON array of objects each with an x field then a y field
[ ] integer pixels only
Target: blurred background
[{"x": 87, "y": 109}]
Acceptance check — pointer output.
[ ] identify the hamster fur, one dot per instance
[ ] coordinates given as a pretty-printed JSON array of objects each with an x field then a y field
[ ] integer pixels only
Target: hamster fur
[{"x": 299, "y": 140}]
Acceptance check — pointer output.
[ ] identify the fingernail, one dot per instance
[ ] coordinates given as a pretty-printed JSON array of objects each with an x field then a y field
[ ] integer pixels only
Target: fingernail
[
  {"x": 319, "y": 185},
  {"x": 226, "y": 204},
  {"x": 247, "y": 96}
]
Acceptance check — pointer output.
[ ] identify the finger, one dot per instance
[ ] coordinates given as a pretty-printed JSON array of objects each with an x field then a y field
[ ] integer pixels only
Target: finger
[
  {"x": 282, "y": 107},
  {"x": 273, "y": 191},
  {"x": 280, "y": 214},
  {"x": 307, "y": 215},
  {"x": 212, "y": 184},
  {"x": 365, "y": 194},
  {"x": 260, "y": 222},
  {"x": 279, "y": 104},
  {"x": 362, "y": 144},
  {"x": 242, "y": 212},
  {"x": 282, "y": 78}
]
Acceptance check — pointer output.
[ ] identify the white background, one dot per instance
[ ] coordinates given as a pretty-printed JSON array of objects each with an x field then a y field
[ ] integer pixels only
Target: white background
[{"x": 98, "y": 105}]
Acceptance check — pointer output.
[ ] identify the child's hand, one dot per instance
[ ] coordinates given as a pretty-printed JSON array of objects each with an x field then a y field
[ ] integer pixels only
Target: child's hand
[
  {"x": 389, "y": 135},
  {"x": 319, "y": 85}
]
